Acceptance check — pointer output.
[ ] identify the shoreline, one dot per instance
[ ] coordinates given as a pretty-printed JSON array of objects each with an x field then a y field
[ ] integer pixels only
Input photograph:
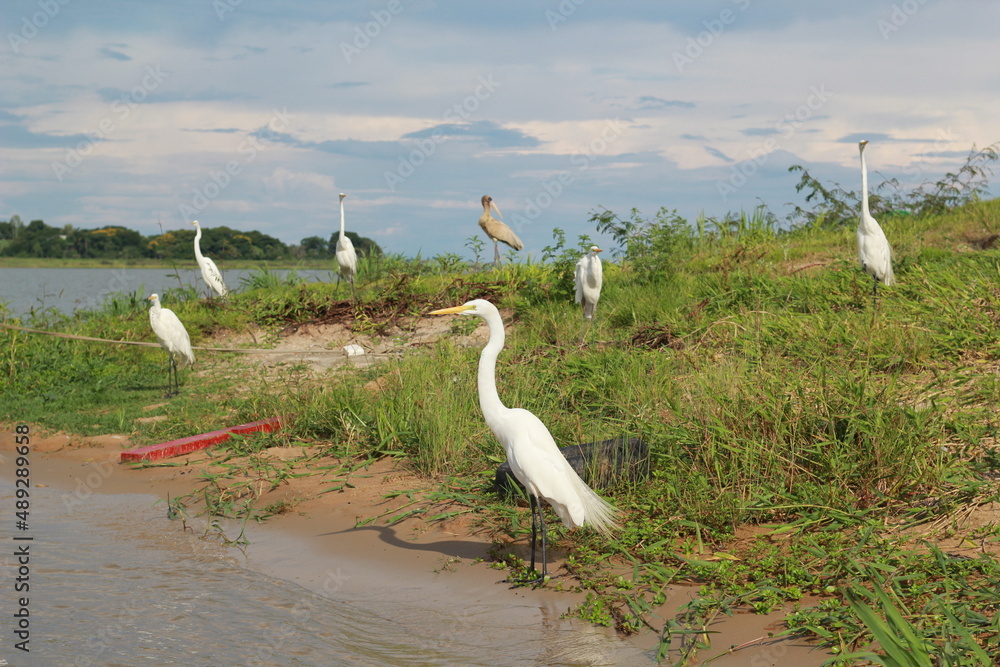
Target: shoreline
[
  {"x": 94, "y": 263},
  {"x": 432, "y": 566}
]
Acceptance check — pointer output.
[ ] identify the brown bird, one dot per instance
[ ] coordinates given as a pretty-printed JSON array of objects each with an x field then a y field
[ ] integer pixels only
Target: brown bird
[{"x": 497, "y": 230}]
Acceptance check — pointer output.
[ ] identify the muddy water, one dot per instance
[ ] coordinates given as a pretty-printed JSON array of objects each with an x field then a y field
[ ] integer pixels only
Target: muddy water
[{"x": 116, "y": 583}]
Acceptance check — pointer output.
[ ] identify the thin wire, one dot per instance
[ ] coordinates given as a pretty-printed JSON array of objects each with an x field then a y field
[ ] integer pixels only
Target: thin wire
[{"x": 243, "y": 350}]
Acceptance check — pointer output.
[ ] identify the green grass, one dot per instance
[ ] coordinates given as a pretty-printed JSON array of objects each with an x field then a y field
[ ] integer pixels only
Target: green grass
[{"x": 774, "y": 397}]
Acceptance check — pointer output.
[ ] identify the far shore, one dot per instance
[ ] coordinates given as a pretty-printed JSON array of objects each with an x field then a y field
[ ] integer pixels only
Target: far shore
[{"x": 147, "y": 263}]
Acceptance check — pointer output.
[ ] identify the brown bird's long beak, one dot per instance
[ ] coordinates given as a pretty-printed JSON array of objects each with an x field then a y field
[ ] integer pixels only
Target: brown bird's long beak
[
  {"x": 450, "y": 311},
  {"x": 494, "y": 207}
]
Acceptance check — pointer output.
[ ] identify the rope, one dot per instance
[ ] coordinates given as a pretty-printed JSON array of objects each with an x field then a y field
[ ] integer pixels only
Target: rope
[{"x": 243, "y": 350}]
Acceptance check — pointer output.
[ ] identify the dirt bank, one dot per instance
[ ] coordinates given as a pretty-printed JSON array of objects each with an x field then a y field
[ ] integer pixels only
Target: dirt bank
[{"x": 442, "y": 561}]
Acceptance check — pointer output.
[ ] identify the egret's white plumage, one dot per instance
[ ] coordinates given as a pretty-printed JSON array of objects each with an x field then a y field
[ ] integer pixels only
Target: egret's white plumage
[
  {"x": 173, "y": 338},
  {"x": 873, "y": 248},
  {"x": 347, "y": 259},
  {"x": 497, "y": 230},
  {"x": 209, "y": 271},
  {"x": 589, "y": 278},
  {"x": 531, "y": 451}
]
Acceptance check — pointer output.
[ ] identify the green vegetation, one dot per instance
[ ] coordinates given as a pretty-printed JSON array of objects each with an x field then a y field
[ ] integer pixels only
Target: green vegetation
[
  {"x": 809, "y": 449},
  {"x": 38, "y": 240}
]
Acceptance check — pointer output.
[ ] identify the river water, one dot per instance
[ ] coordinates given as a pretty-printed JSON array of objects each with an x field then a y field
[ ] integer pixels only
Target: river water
[
  {"x": 68, "y": 290},
  {"x": 117, "y": 583}
]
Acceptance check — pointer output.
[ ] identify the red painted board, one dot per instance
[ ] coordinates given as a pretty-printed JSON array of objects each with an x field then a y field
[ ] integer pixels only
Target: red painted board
[{"x": 184, "y": 445}]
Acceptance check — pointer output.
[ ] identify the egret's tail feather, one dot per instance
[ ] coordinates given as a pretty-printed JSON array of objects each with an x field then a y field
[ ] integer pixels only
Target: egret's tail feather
[{"x": 599, "y": 514}]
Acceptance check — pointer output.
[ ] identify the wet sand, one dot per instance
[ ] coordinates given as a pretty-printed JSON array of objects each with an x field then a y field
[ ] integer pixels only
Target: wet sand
[{"x": 412, "y": 567}]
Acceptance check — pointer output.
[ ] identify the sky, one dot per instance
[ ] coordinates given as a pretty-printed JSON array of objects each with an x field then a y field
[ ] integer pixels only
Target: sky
[{"x": 255, "y": 114}]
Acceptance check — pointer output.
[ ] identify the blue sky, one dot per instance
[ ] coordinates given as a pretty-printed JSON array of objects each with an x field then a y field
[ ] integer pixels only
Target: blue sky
[{"x": 255, "y": 114}]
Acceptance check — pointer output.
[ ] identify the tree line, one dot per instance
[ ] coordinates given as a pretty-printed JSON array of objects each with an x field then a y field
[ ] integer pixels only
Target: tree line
[{"x": 37, "y": 239}]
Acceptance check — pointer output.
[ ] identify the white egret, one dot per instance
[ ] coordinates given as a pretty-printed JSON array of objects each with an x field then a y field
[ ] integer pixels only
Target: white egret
[
  {"x": 873, "y": 247},
  {"x": 209, "y": 271},
  {"x": 347, "y": 259},
  {"x": 173, "y": 338},
  {"x": 531, "y": 451},
  {"x": 589, "y": 278},
  {"x": 497, "y": 230}
]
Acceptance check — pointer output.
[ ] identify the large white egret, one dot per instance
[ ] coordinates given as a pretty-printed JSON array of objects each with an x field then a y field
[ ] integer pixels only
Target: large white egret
[
  {"x": 347, "y": 259},
  {"x": 873, "y": 247},
  {"x": 497, "y": 230},
  {"x": 209, "y": 271},
  {"x": 173, "y": 338},
  {"x": 531, "y": 451},
  {"x": 589, "y": 278}
]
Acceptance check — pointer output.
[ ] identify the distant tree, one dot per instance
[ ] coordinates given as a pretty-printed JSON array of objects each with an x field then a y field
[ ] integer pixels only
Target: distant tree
[
  {"x": 314, "y": 247},
  {"x": 16, "y": 226}
]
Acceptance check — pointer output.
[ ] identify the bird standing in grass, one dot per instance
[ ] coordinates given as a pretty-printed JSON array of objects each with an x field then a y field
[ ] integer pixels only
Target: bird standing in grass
[
  {"x": 531, "y": 451},
  {"x": 873, "y": 247},
  {"x": 589, "y": 278},
  {"x": 209, "y": 271},
  {"x": 347, "y": 259},
  {"x": 173, "y": 338},
  {"x": 497, "y": 230}
]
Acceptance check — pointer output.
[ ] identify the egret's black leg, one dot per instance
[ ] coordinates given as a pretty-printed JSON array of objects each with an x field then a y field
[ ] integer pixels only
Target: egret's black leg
[
  {"x": 541, "y": 520},
  {"x": 534, "y": 529}
]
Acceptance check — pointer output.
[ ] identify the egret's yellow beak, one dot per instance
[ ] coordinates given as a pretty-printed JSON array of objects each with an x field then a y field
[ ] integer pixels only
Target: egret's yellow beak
[
  {"x": 451, "y": 311},
  {"x": 149, "y": 298},
  {"x": 496, "y": 208}
]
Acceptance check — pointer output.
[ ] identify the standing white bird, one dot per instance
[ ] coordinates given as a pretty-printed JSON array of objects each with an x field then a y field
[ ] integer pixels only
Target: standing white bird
[
  {"x": 347, "y": 259},
  {"x": 589, "y": 277},
  {"x": 531, "y": 451},
  {"x": 209, "y": 271},
  {"x": 497, "y": 230},
  {"x": 173, "y": 338},
  {"x": 873, "y": 247}
]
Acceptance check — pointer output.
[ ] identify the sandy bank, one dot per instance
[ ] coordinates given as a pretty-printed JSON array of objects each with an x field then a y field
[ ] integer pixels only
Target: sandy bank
[{"x": 418, "y": 568}]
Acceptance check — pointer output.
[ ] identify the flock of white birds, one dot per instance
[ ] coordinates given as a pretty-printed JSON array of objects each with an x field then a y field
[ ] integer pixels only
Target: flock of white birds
[{"x": 531, "y": 450}]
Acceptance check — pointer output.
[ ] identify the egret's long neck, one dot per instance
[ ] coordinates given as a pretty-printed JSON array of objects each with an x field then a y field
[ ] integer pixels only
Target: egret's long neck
[
  {"x": 864, "y": 186},
  {"x": 489, "y": 399},
  {"x": 197, "y": 243},
  {"x": 341, "y": 218}
]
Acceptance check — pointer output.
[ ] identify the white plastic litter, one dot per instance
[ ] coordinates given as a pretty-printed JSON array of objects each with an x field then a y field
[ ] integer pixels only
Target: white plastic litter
[{"x": 353, "y": 350}]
